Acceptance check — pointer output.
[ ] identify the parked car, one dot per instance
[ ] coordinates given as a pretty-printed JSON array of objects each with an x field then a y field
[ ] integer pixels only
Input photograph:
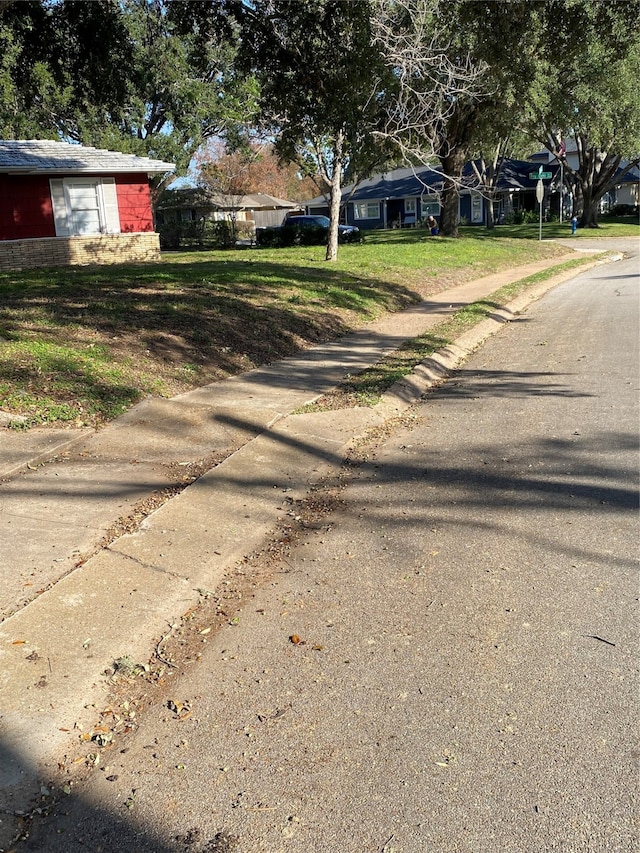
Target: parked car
[{"x": 348, "y": 233}]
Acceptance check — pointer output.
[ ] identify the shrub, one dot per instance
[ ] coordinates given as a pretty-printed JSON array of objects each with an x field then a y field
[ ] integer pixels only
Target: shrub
[
  {"x": 623, "y": 210},
  {"x": 201, "y": 234},
  {"x": 268, "y": 237},
  {"x": 514, "y": 217}
]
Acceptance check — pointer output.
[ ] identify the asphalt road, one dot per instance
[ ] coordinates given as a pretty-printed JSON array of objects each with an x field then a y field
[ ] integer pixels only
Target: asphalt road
[{"x": 465, "y": 676}]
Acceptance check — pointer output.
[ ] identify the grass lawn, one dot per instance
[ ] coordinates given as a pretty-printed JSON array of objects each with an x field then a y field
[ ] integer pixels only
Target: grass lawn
[{"x": 82, "y": 344}]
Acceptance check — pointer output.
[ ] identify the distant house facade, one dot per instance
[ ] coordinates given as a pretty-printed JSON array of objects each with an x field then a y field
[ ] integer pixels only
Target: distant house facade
[
  {"x": 407, "y": 196},
  {"x": 191, "y": 204},
  {"x": 625, "y": 191},
  {"x": 63, "y": 204}
]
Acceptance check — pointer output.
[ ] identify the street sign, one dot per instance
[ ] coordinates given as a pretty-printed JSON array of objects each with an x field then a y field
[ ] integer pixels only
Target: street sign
[
  {"x": 535, "y": 176},
  {"x": 540, "y": 191}
]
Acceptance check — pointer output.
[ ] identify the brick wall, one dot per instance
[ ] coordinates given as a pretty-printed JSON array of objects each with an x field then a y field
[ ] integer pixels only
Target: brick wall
[{"x": 68, "y": 251}]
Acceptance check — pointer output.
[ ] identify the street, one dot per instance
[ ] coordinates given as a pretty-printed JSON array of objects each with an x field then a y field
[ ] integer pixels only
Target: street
[{"x": 448, "y": 663}]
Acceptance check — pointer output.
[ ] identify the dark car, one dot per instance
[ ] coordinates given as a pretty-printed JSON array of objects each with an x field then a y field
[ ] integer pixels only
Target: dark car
[{"x": 347, "y": 233}]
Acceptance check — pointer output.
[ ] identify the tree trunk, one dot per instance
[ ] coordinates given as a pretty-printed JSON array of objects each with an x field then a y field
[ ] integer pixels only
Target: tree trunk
[
  {"x": 589, "y": 215},
  {"x": 452, "y": 165},
  {"x": 490, "y": 220},
  {"x": 336, "y": 197}
]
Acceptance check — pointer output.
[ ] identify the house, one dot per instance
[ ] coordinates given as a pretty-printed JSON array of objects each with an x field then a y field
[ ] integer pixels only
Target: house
[
  {"x": 404, "y": 197},
  {"x": 190, "y": 204},
  {"x": 626, "y": 185},
  {"x": 70, "y": 204}
]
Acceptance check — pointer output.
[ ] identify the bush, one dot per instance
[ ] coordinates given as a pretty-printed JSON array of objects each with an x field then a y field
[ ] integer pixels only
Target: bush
[
  {"x": 268, "y": 237},
  {"x": 307, "y": 236},
  {"x": 246, "y": 230},
  {"x": 514, "y": 217},
  {"x": 623, "y": 210},
  {"x": 170, "y": 233},
  {"x": 202, "y": 234}
]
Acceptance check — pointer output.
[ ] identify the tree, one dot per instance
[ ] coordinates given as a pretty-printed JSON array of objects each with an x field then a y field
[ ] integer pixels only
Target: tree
[
  {"x": 487, "y": 168},
  {"x": 265, "y": 172},
  {"x": 586, "y": 89},
  {"x": 52, "y": 65},
  {"x": 228, "y": 176},
  {"x": 460, "y": 67},
  {"x": 318, "y": 74},
  {"x": 158, "y": 81}
]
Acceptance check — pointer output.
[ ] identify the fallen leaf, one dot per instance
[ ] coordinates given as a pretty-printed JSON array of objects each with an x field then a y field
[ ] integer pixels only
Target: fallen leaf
[
  {"x": 182, "y": 710},
  {"x": 295, "y": 639},
  {"x": 102, "y": 738},
  {"x": 19, "y": 643}
]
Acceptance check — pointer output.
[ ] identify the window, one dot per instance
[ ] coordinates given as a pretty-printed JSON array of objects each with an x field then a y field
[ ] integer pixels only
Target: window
[
  {"x": 410, "y": 205},
  {"x": 366, "y": 210},
  {"x": 476, "y": 208},
  {"x": 84, "y": 206},
  {"x": 429, "y": 207}
]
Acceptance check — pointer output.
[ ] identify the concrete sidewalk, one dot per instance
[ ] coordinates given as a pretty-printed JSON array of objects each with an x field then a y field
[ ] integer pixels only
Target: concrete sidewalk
[{"x": 72, "y": 606}]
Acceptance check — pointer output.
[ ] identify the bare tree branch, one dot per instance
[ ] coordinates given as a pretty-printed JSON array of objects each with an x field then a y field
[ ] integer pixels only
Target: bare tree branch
[{"x": 430, "y": 83}]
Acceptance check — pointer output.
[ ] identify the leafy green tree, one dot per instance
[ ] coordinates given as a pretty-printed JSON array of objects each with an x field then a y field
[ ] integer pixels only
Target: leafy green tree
[
  {"x": 586, "y": 88},
  {"x": 53, "y": 67},
  {"x": 318, "y": 75},
  {"x": 158, "y": 80}
]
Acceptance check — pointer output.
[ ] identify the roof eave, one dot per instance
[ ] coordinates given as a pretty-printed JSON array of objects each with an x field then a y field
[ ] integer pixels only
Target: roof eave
[{"x": 4, "y": 170}]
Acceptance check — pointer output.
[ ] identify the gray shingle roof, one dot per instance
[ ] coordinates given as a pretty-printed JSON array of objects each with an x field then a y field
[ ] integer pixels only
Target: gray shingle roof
[
  {"x": 38, "y": 156},
  {"x": 202, "y": 197}
]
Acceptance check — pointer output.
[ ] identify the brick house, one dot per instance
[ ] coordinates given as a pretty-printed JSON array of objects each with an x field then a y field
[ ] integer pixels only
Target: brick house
[{"x": 63, "y": 204}]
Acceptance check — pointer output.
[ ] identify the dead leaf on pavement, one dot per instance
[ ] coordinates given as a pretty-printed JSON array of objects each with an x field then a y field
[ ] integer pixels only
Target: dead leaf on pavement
[{"x": 182, "y": 710}]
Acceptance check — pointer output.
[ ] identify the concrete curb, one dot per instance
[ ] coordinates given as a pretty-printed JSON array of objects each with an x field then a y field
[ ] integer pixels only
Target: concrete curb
[{"x": 439, "y": 366}]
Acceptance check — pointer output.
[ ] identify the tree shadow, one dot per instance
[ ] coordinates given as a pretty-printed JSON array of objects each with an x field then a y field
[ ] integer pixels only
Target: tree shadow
[
  {"x": 57, "y": 822},
  {"x": 214, "y": 318}
]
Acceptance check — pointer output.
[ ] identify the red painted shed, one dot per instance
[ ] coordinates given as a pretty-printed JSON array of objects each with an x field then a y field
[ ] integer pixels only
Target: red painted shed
[{"x": 66, "y": 204}]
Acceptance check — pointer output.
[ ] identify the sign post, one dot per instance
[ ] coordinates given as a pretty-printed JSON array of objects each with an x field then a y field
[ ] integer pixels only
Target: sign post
[
  {"x": 540, "y": 176},
  {"x": 540, "y": 197}
]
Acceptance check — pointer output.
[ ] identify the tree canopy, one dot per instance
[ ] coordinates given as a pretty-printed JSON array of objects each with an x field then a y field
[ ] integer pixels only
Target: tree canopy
[
  {"x": 318, "y": 75},
  {"x": 158, "y": 80},
  {"x": 585, "y": 88},
  {"x": 342, "y": 88}
]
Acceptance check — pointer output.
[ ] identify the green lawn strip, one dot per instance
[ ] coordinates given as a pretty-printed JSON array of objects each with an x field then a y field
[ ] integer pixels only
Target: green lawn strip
[
  {"x": 608, "y": 227},
  {"x": 83, "y": 344},
  {"x": 47, "y": 383},
  {"x": 367, "y": 387}
]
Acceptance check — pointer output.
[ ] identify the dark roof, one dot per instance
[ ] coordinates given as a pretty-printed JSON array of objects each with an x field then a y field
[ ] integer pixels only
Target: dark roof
[
  {"x": 427, "y": 180},
  {"x": 38, "y": 156}
]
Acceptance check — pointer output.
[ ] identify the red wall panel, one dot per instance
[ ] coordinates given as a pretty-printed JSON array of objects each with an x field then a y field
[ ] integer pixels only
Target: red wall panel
[
  {"x": 134, "y": 203},
  {"x": 26, "y": 211},
  {"x": 25, "y": 207}
]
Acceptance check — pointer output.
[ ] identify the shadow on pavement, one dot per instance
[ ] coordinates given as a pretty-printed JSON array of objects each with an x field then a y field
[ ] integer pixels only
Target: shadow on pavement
[{"x": 75, "y": 825}]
